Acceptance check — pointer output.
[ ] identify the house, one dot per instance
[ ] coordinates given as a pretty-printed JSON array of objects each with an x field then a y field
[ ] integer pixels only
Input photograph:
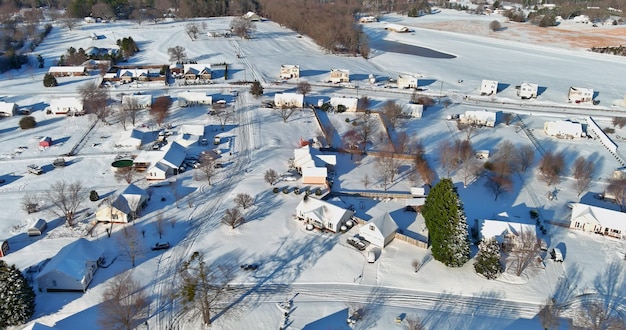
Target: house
[
  {"x": 528, "y": 90},
  {"x": 197, "y": 71},
  {"x": 379, "y": 231},
  {"x": 192, "y": 129},
  {"x": 64, "y": 105},
  {"x": 368, "y": 19},
  {"x": 45, "y": 142},
  {"x": 482, "y": 154},
  {"x": 4, "y": 248},
  {"x": 564, "y": 128},
  {"x": 322, "y": 214},
  {"x": 598, "y": 220},
  {"x": 67, "y": 71},
  {"x": 339, "y": 76},
  {"x": 189, "y": 134},
  {"x": 72, "y": 268},
  {"x": 488, "y": 87},
  {"x": 480, "y": 118},
  {"x": 406, "y": 81},
  {"x": 350, "y": 103},
  {"x": 579, "y": 95},
  {"x": 252, "y": 16},
  {"x": 38, "y": 228},
  {"x": 506, "y": 233},
  {"x": 397, "y": 28},
  {"x": 313, "y": 165},
  {"x": 289, "y": 100},
  {"x": 8, "y": 109},
  {"x": 131, "y": 74},
  {"x": 38, "y": 326},
  {"x": 288, "y": 71},
  {"x": 136, "y": 101},
  {"x": 188, "y": 98},
  {"x": 169, "y": 164},
  {"x": 133, "y": 139},
  {"x": 125, "y": 208},
  {"x": 89, "y": 19},
  {"x": 412, "y": 110}
]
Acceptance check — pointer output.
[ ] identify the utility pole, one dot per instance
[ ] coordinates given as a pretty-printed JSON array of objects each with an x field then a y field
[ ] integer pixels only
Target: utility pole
[{"x": 441, "y": 92}]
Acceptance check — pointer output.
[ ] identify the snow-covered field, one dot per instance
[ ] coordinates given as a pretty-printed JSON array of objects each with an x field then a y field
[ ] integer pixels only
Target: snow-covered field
[{"x": 321, "y": 272}]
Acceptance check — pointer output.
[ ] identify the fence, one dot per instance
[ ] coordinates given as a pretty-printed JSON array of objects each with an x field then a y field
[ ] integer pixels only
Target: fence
[{"x": 411, "y": 240}]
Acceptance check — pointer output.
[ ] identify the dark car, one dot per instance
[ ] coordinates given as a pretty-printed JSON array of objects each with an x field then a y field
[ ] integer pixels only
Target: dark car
[
  {"x": 161, "y": 246},
  {"x": 357, "y": 243}
]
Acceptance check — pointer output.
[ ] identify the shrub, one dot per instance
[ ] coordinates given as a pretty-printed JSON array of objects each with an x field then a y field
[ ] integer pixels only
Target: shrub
[
  {"x": 347, "y": 120},
  {"x": 49, "y": 80},
  {"x": 495, "y": 26},
  {"x": 256, "y": 89},
  {"x": 93, "y": 196},
  {"x": 341, "y": 108},
  {"x": 296, "y": 191},
  {"x": 28, "y": 122},
  {"x": 286, "y": 190},
  {"x": 326, "y": 106},
  {"x": 318, "y": 191},
  {"x": 276, "y": 190}
]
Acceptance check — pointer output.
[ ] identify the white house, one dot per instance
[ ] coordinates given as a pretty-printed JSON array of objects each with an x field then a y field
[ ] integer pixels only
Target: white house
[
  {"x": 7, "y": 109},
  {"x": 190, "y": 134},
  {"x": 412, "y": 110},
  {"x": 368, "y": 19},
  {"x": 322, "y": 214},
  {"x": 480, "y": 117},
  {"x": 407, "y": 81},
  {"x": 252, "y": 16},
  {"x": 313, "y": 165},
  {"x": 350, "y": 103},
  {"x": 564, "y": 128},
  {"x": 397, "y": 28},
  {"x": 197, "y": 71},
  {"x": 63, "y": 71},
  {"x": 289, "y": 100},
  {"x": 72, "y": 268},
  {"x": 339, "y": 76},
  {"x": 132, "y": 74},
  {"x": 169, "y": 164},
  {"x": 132, "y": 138},
  {"x": 126, "y": 207},
  {"x": 288, "y": 71},
  {"x": 528, "y": 90},
  {"x": 379, "y": 231},
  {"x": 598, "y": 220},
  {"x": 488, "y": 87},
  {"x": 579, "y": 95},
  {"x": 504, "y": 232},
  {"x": 64, "y": 105},
  {"x": 188, "y": 98},
  {"x": 136, "y": 100}
]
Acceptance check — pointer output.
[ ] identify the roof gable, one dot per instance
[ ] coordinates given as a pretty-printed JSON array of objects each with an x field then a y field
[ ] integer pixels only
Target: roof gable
[{"x": 71, "y": 259}]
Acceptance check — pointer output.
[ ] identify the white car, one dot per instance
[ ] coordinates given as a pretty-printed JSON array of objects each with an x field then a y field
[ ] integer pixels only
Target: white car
[{"x": 290, "y": 178}]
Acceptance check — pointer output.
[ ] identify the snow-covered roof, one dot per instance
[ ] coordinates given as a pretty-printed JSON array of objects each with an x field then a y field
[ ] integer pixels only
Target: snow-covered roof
[
  {"x": 144, "y": 100},
  {"x": 133, "y": 73},
  {"x": 498, "y": 229},
  {"x": 598, "y": 215},
  {"x": 133, "y": 138},
  {"x": 320, "y": 172},
  {"x": 348, "y": 102},
  {"x": 563, "y": 127},
  {"x": 289, "y": 67},
  {"x": 480, "y": 115},
  {"x": 193, "y": 129},
  {"x": 7, "y": 107},
  {"x": 397, "y": 27},
  {"x": 188, "y": 96},
  {"x": 174, "y": 156},
  {"x": 196, "y": 68},
  {"x": 72, "y": 103},
  {"x": 63, "y": 69},
  {"x": 321, "y": 210},
  {"x": 71, "y": 259},
  {"x": 308, "y": 156},
  {"x": 38, "y": 326},
  {"x": 289, "y": 99},
  {"x": 385, "y": 224},
  {"x": 149, "y": 157},
  {"x": 130, "y": 199}
]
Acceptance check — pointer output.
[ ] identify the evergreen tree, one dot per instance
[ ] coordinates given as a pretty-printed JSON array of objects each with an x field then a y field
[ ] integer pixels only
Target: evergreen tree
[
  {"x": 488, "y": 259},
  {"x": 256, "y": 89},
  {"x": 17, "y": 303},
  {"x": 447, "y": 226},
  {"x": 49, "y": 80}
]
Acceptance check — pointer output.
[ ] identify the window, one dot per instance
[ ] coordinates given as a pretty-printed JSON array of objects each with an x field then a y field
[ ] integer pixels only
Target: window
[
  {"x": 54, "y": 283},
  {"x": 114, "y": 216},
  {"x": 372, "y": 228}
]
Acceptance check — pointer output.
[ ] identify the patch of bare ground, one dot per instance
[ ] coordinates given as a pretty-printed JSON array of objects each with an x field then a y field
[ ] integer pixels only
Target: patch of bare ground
[{"x": 566, "y": 36}]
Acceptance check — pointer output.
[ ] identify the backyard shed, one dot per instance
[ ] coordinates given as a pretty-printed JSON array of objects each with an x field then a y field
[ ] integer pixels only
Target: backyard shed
[
  {"x": 488, "y": 87},
  {"x": 72, "y": 268},
  {"x": 38, "y": 228},
  {"x": 45, "y": 142},
  {"x": 7, "y": 109},
  {"x": 350, "y": 103},
  {"x": 412, "y": 110},
  {"x": 527, "y": 90}
]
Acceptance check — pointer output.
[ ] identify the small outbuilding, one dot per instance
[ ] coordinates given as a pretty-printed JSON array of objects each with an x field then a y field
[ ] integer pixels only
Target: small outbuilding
[
  {"x": 8, "y": 109},
  {"x": 579, "y": 95},
  {"x": 412, "y": 110},
  {"x": 4, "y": 248},
  {"x": 488, "y": 87},
  {"x": 480, "y": 117},
  {"x": 45, "y": 142},
  {"x": 188, "y": 98},
  {"x": 72, "y": 269},
  {"x": 406, "y": 81},
  {"x": 289, "y": 100},
  {"x": 350, "y": 103},
  {"x": 38, "y": 228},
  {"x": 527, "y": 91},
  {"x": 563, "y": 129},
  {"x": 379, "y": 231}
]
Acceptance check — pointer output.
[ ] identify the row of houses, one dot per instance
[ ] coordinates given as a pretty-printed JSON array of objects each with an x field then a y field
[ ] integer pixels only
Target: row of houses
[
  {"x": 530, "y": 90},
  {"x": 336, "y": 76}
]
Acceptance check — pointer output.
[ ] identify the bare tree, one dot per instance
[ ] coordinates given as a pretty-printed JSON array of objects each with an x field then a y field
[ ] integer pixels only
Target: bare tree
[
  {"x": 122, "y": 117},
  {"x": 132, "y": 107},
  {"x": 271, "y": 176},
  {"x": 207, "y": 167},
  {"x": 524, "y": 250},
  {"x": 160, "y": 108},
  {"x": 303, "y": 88},
  {"x": 352, "y": 139},
  {"x": 223, "y": 115},
  {"x": 69, "y": 22},
  {"x": 549, "y": 315},
  {"x": 420, "y": 164},
  {"x": 177, "y": 54},
  {"x": 415, "y": 323},
  {"x": 66, "y": 198},
  {"x": 583, "y": 173},
  {"x": 366, "y": 127},
  {"x": 94, "y": 99},
  {"x": 124, "y": 304},
  {"x": 393, "y": 111},
  {"x": 202, "y": 288},
  {"x": 403, "y": 143},
  {"x": 526, "y": 156},
  {"x": 241, "y": 27},
  {"x": 233, "y": 217},
  {"x": 448, "y": 156},
  {"x": 30, "y": 202},
  {"x": 160, "y": 224},
  {"x": 285, "y": 112},
  {"x": 244, "y": 200},
  {"x": 506, "y": 158},
  {"x": 469, "y": 164},
  {"x": 551, "y": 167},
  {"x": 594, "y": 315},
  {"x": 387, "y": 169},
  {"x": 618, "y": 121},
  {"x": 192, "y": 30},
  {"x": 465, "y": 127},
  {"x": 366, "y": 180},
  {"x": 507, "y": 117},
  {"x": 125, "y": 174},
  {"x": 102, "y": 9},
  {"x": 363, "y": 103},
  {"x": 498, "y": 184},
  {"x": 617, "y": 188},
  {"x": 130, "y": 243}
]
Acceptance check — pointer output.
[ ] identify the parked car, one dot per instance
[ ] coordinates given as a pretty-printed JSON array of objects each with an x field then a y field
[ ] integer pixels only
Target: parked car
[
  {"x": 556, "y": 255},
  {"x": 371, "y": 256},
  {"x": 357, "y": 243},
  {"x": 34, "y": 169},
  {"x": 161, "y": 246},
  {"x": 290, "y": 178}
]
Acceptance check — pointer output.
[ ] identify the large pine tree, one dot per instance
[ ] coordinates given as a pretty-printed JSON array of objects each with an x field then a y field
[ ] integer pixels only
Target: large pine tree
[
  {"x": 447, "y": 226},
  {"x": 488, "y": 259},
  {"x": 17, "y": 298}
]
